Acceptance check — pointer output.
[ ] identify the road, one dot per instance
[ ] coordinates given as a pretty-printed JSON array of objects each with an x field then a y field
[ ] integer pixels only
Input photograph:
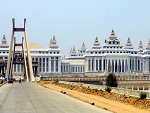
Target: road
[{"x": 31, "y": 98}]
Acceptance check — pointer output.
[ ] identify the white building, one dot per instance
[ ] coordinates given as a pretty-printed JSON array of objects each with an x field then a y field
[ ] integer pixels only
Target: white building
[
  {"x": 115, "y": 57},
  {"x": 99, "y": 60},
  {"x": 49, "y": 59}
]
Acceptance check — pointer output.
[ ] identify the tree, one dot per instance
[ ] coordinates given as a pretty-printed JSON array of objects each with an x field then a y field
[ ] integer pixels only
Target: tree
[{"x": 111, "y": 80}]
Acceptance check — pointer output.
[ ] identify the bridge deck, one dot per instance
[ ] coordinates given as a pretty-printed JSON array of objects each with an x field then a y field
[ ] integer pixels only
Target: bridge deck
[{"x": 32, "y": 98}]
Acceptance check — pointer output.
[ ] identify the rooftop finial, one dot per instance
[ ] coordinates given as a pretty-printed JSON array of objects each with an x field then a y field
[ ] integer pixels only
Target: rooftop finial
[
  {"x": 53, "y": 37},
  {"x": 4, "y": 41},
  {"x": 112, "y": 33},
  {"x": 128, "y": 42},
  {"x": 96, "y": 43},
  {"x": 53, "y": 43},
  {"x": 148, "y": 46},
  {"x": 141, "y": 46}
]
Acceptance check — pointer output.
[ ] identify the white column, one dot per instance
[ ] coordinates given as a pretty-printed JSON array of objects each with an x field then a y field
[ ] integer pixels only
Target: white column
[
  {"x": 94, "y": 64},
  {"x": 98, "y": 64},
  {"x": 45, "y": 64},
  {"x": 137, "y": 64},
  {"x": 114, "y": 64},
  {"x": 134, "y": 64},
  {"x": 128, "y": 61},
  {"x": 107, "y": 65},
  {"x": 49, "y": 62},
  {"x": 140, "y": 65},
  {"x": 124, "y": 65},
  {"x": 90, "y": 64},
  {"x": 41, "y": 64},
  {"x": 102, "y": 64},
  {"x": 117, "y": 65},
  {"x": 111, "y": 65},
  {"x": 19, "y": 67},
  {"x": 59, "y": 65},
  {"x": 121, "y": 65},
  {"x": 54, "y": 64},
  {"x": 16, "y": 67}
]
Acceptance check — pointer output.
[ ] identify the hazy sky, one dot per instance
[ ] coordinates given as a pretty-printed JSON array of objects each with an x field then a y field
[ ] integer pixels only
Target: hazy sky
[{"x": 76, "y": 21}]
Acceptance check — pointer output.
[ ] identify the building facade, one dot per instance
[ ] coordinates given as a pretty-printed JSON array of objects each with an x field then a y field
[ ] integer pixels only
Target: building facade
[
  {"x": 49, "y": 59},
  {"x": 98, "y": 60}
]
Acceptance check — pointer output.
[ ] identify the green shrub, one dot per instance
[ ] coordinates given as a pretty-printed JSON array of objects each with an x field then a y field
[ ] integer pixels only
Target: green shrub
[
  {"x": 143, "y": 95},
  {"x": 108, "y": 89},
  {"x": 111, "y": 80},
  {"x": 101, "y": 90}
]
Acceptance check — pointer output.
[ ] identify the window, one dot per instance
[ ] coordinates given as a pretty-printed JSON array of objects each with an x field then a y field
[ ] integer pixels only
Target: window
[
  {"x": 40, "y": 65},
  {"x": 66, "y": 68},
  {"x": 89, "y": 65},
  {"x": 56, "y": 65},
  {"x": 52, "y": 64}
]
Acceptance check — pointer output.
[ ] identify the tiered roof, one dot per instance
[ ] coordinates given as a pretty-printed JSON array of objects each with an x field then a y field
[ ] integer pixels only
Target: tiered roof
[
  {"x": 4, "y": 42},
  {"x": 129, "y": 44},
  {"x": 112, "y": 38},
  {"x": 73, "y": 51},
  {"x": 82, "y": 49},
  {"x": 96, "y": 44},
  {"x": 141, "y": 46},
  {"x": 53, "y": 43}
]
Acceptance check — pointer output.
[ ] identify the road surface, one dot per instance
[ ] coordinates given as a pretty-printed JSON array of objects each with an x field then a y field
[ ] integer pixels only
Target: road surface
[{"x": 31, "y": 98}]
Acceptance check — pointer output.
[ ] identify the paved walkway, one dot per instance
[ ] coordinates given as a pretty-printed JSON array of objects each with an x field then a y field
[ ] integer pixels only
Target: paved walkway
[{"x": 32, "y": 98}]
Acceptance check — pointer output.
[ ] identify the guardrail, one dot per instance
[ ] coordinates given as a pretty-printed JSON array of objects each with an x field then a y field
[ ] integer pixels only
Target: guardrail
[
  {"x": 94, "y": 78},
  {"x": 130, "y": 92}
]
